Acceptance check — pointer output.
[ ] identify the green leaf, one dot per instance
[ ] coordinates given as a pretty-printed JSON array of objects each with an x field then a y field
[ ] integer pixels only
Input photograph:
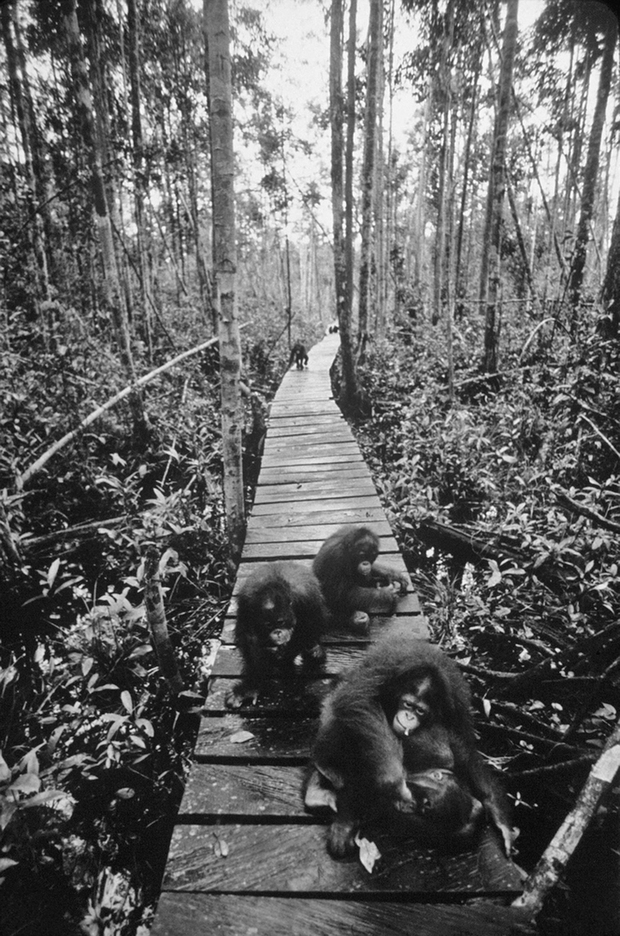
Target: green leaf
[
  {"x": 52, "y": 572},
  {"x": 26, "y": 783}
]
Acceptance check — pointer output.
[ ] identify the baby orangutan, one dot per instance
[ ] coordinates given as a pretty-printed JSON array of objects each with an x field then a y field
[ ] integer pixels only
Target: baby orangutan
[
  {"x": 354, "y": 584},
  {"x": 281, "y": 615}
]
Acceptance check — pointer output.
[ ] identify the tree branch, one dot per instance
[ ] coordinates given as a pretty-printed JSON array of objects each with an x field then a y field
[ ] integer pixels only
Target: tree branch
[{"x": 29, "y": 473}]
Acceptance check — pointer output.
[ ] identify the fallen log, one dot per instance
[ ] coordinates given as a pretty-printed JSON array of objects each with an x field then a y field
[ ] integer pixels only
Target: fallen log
[{"x": 470, "y": 544}]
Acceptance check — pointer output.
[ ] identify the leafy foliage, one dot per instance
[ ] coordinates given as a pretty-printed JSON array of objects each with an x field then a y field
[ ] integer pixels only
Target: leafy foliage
[
  {"x": 529, "y": 476},
  {"x": 93, "y": 746}
]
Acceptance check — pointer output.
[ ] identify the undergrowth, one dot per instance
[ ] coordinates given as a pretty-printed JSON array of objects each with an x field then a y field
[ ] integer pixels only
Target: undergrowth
[
  {"x": 506, "y": 502},
  {"x": 93, "y": 747}
]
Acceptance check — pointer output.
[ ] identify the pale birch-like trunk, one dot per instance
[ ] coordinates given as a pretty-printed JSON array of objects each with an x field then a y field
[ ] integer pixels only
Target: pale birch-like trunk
[
  {"x": 420, "y": 212},
  {"x": 348, "y": 184},
  {"x": 375, "y": 38},
  {"x": 439, "y": 278},
  {"x": 350, "y": 391},
  {"x": 217, "y": 34}
]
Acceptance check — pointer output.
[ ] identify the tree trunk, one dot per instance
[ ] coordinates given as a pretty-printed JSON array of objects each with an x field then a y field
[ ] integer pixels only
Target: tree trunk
[
  {"x": 460, "y": 285},
  {"x": 375, "y": 38},
  {"x": 139, "y": 180},
  {"x": 350, "y": 391},
  {"x": 217, "y": 34},
  {"x": 27, "y": 132},
  {"x": 111, "y": 285},
  {"x": 490, "y": 289},
  {"x": 610, "y": 293},
  {"x": 420, "y": 253},
  {"x": 348, "y": 195},
  {"x": 527, "y": 272},
  {"x": 378, "y": 206},
  {"x": 102, "y": 101},
  {"x": 444, "y": 81},
  {"x": 592, "y": 165}
]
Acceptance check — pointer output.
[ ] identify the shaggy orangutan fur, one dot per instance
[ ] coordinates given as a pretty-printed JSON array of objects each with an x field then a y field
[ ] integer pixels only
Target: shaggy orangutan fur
[
  {"x": 281, "y": 615},
  {"x": 364, "y": 764}
]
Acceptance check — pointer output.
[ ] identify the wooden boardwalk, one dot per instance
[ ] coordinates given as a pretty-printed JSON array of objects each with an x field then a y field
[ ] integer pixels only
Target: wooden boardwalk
[{"x": 245, "y": 857}]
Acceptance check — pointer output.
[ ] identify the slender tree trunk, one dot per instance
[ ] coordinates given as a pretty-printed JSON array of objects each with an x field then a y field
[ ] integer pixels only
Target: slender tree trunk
[
  {"x": 378, "y": 212},
  {"x": 139, "y": 180},
  {"x": 497, "y": 185},
  {"x": 375, "y": 38},
  {"x": 577, "y": 141},
  {"x": 592, "y": 165},
  {"x": 520, "y": 239},
  {"x": 439, "y": 279},
  {"x": 420, "y": 253},
  {"x": 460, "y": 286},
  {"x": 348, "y": 195},
  {"x": 390, "y": 199},
  {"x": 287, "y": 249},
  {"x": 111, "y": 285},
  {"x": 99, "y": 79},
  {"x": 43, "y": 188},
  {"x": 217, "y": 34},
  {"x": 343, "y": 299},
  {"x": 610, "y": 293},
  {"x": 27, "y": 132}
]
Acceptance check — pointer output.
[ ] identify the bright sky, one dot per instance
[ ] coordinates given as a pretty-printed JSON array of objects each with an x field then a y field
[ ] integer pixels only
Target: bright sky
[
  {"x": 303, "y": 27},
  {"x": 303, "y": 75}
]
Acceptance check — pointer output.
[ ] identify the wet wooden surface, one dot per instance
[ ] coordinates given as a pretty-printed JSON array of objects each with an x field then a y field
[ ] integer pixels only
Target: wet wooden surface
[{"x": 245, "y": 856}]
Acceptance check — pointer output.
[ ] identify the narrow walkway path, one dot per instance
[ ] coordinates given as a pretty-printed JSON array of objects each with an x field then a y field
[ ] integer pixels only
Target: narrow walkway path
[{"x": 245, "y": 857}]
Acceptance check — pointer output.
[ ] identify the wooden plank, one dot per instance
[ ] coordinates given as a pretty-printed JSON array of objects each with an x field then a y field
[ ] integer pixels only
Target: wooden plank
[
  {"x": 237, "y": 791},
  {"x": 289, "y": 474},
  {"x": 307, "y": 387},
  {"x": 390, "y": 558},
  {"x": 273, "y": 793},
  {"x": 298, "y": 549},
  {"x": 321, "y": 468},
  {"x": 324, "y": 459},
  {"x": 312, "y": 517},
  {"x": 412, "y": 623},
  {"x": 339, "y": 443},
  {"x": 298, "y": 407},
  {"x": 291, "y": 426},
  {"x": 310, "y": 490},
  {"x": 320, "y": 437},
  {"x": 271, "y": 737},
  {"x": 308, "y": 429},
  {"x": 283, "y": 423},
  {"x": 259, "y": 532},
  {"x": 245, "y": 915},
  {"x": 271, "y": 859},
  {"x": 285, "y": 698},
  {"x": 359, "y": 502},
  {"x": 318, "y": 451},
  {"x": 407, "y": 605},
  {"x": 229, "y": 663}
]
